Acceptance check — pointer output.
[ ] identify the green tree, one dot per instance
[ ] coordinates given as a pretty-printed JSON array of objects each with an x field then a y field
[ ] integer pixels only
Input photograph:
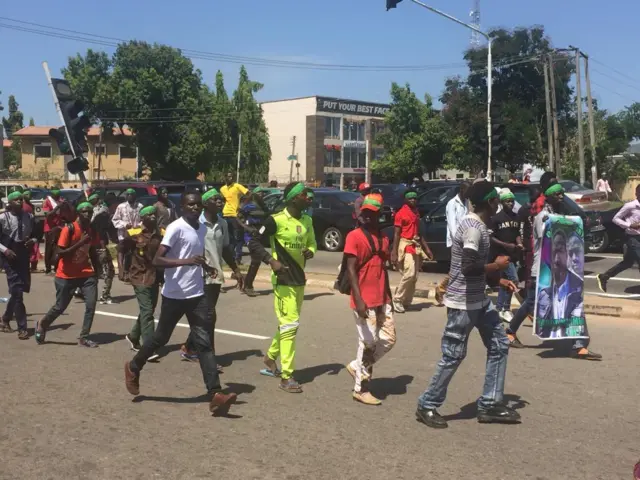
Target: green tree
[
  {"x": 416, "y": 138},
  {"x": 11, "y": 124},
  {"x": 32, "y": 122}
]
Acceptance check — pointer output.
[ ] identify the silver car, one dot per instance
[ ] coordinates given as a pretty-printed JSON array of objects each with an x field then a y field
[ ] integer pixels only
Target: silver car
[{"x": 585, "y": 197}]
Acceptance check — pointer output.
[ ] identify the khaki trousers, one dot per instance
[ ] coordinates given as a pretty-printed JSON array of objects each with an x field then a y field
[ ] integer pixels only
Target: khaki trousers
[{"x": 409, "y": 268}]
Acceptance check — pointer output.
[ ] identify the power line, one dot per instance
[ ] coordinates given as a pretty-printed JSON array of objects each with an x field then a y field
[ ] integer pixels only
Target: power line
[
  {"x": 614, "y": 92},
  {"x": 614, "y": 70},
  {"x": 616, "y": 79}
]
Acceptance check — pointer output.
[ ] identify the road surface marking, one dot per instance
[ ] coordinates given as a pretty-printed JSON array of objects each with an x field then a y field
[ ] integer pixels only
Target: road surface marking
[
  {"x": 613, "y": 295},
  {"x": 186, "y": 325},
  {"x": 617, "y": 279},
  {"x": 604, "y": 255}
]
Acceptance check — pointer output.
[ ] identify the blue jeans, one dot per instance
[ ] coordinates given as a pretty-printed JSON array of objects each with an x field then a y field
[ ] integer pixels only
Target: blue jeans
[
  {"x": 454, "y": 349},
  {"x": 526, "y": 309},
  {"x": 504, "y": 295}
]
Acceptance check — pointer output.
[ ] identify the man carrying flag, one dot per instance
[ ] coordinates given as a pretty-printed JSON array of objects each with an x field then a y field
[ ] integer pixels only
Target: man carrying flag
[{"x": 52, "y": 226}]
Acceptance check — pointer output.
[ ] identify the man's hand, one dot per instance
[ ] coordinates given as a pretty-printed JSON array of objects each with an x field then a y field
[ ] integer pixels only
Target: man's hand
[
  {"x": 502, "y": 261},
  {"x": 520, "y": 246},
  {"x": 635, "y": 226},
  {"x": 212, "y": 272},
  {"x": 277, "y": 266},
  {"x": 394, "y": 259},
  {"x": 30, "y": 243},
  {"x": 307, "y": 254},
  {"x": 508, "y": 284},
  {"x": 428, "y": 252},
  {"x": 128, "y": 226},
  {"x": 84, "y": 239},
  {"x": 237, "y": 275},
  {"x": 510, "y": 247},
  {"x": 10, "y": 254},
  {"x": 197, "y": 260},
  {"x": 361, "y": 308}
]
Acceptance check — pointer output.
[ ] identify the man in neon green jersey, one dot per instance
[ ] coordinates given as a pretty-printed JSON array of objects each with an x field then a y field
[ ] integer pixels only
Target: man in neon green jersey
[{"x": 293, "y": 242}]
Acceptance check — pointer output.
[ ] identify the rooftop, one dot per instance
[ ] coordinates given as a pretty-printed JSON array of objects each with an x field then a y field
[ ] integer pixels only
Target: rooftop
[{"x": 43, "y": 131}]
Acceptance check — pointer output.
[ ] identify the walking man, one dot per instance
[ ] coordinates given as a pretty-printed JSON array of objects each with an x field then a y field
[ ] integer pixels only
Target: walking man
[
  {"x": 251, "y": 216},
  {"x": 181, "y": 255},
  {"x": 100, "y": 222},
  {"x": 142, "y": 244},
  {"x": 126, "y": 216},
  {"x": 627, "y": 218},
  {"x": 233, "y": 193},
  {"x": 455, "y": 211},
  {"x": 364, "y": 189},
  {"x": 16, "y": 242},
  {"x": 467, "y": 307},
  {"x": 34, "y": 251},
  {"x": 52, "y": 226},
  {"x": 216, "y": 248},
  {"x": 367, "y": 251},
  {"x": 165, "y": 209},
  {"x": 408, "y": 251},
  {"x": 77, "y": 267},
  {"x": 293, "y": 242}
]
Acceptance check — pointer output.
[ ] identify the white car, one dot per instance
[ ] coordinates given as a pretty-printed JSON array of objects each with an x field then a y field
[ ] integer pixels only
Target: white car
[{"x": 583, "y": 196}]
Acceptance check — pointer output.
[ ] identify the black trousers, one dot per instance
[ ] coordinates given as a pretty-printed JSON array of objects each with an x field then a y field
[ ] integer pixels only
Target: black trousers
[
  {"x": 211, "y": 293},
  {"x": 631, "y": 257}
]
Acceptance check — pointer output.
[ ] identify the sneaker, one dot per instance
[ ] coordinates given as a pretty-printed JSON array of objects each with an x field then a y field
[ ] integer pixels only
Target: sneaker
[
  {"x": 5, "y": 327},
  {"x": 351, "y": 371},
  {"x": 585, "y": 354},
  {"x": 398, "y": 307},
  {"x": 153, "y": 357},
  {"x": 131, "y": 379},
  {"x": 135, "y": 346},
  {"x": 221, "y": 403},
  {"x": 105, "y": 300},
  {"x": 514, "y": 342},
  {"x": 366, "y": 398},
  {"x": 506, "y": 316},
  {"x": 188, "y": 355},
  {"x": 23, "y": 335},
  {"x": 250, "y": 292},
  {"x": 498, "y": 414},
  {"x": 431, "y": 418},
  {"x": 40, "y": 335},
  {"x": 85, "y": 342},
  {"x": 602, "y": 282}
]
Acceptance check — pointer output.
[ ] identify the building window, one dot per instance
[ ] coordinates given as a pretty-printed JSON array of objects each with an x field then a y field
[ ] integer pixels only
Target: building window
[
  {"x": 100, "y": 150},
  {"x": 353, "y": 131},
  {"x": 376, "y": 129},
  {"x": 331, "y": 158},
  {"x": 332, "y": 127},
  {"x": 378, "y": 153},
  {"x": 42, "y": 151},
  {"x": 355, "y": 157},
  {"x": 459, "y": 176},
  {"x": 127, "y": 152}
]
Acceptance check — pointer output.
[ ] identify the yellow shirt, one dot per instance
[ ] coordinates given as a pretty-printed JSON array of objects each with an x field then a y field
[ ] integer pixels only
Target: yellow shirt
[{"x": 232, "y": 194}]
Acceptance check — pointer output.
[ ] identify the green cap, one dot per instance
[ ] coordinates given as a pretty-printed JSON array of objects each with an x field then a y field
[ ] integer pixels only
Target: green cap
[
  {"x": 212, "y": 192},
  {"x": 130, "y": 191},
  {"x": 84, "y": 205},
  {"x": 14, "y": 196},
  {"x": 150, "y": 210}
]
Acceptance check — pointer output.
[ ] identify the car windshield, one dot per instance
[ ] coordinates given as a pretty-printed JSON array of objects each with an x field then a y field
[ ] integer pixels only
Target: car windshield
[
  {"x": 347, "y": 198},
  {"x": 570, "y": 186},
  {"x": 39, "y": 194},
  {"x": 390, "y": 190}
]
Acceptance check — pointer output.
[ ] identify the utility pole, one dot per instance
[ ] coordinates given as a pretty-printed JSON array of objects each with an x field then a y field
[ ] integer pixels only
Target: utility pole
[
  {"x": 579, "y": 118},
  {"x": 547, "y": 105},
  {"x": 554, "y": 113},
  {"x": 592, "y": 129},
  {"x": 239, "y": 155},
  {"x": 293, "y": 154}
]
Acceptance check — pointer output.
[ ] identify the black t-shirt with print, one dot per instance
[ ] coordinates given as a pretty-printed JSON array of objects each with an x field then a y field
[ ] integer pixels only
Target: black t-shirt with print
[{"x": 506, "y": 228}]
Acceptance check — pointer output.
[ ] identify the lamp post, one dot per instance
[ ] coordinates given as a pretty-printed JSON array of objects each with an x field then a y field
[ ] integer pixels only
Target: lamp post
[{"x": 393, "y": 3}]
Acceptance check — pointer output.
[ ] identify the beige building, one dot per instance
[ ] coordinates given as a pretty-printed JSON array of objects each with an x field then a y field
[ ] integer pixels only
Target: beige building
[
  {"x": 334, "y": 139},
  {"x": 108, "y": 159}
]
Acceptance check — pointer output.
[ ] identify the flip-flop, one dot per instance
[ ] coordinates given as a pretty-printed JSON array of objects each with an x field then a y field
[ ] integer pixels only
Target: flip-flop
[{"x": 270, "y": 373}]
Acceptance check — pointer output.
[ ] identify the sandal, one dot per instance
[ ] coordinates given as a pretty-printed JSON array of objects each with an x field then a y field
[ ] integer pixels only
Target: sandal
[
  {"x": 5, "y": 328},
  {"x": 585, "y": 354},
  {"x": 290, "y": 386},
  {"x": 270, "y": 373}
]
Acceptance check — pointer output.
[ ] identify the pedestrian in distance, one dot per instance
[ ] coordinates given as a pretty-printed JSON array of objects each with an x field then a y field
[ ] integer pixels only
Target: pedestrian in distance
[
  {"x": 181, "y": 255},
  {"x": 126, "y": 216},
  {"x": 251, "y": 216},
  {"x": 34, "y": 254},
  {"x": 233, "y": 193},
  {"x": 165, "y": 209},
  {"x": 77, "y": 268},
  {"x": 142, "y": 243},
  {"x": 293, "y": 242},
  {"x": 409, "y": 251},
  {"x": 364, "y": 189},
  {"x": 16, "y": 242},
  {"x": 52, "y": 227},
  {"x": 100, "y": 222},
  {"x": 469, "y": 307},
  {"x": 367, "y": 252}
]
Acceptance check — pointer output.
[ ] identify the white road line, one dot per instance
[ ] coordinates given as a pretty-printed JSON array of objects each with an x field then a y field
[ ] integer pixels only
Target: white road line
[
  {"x": 604, "y": 255},
  {"x": 186, "y": 325},
  {"x": 617, "y": 279},
  {"x": 613, "y": 295}
]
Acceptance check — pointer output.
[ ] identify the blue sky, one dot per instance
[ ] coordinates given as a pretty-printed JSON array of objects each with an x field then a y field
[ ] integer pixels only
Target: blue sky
[{"x": 352, "y": 32}]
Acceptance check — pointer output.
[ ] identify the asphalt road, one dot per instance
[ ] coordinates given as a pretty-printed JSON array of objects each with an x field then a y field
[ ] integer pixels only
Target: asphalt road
[
  {"x": 626, "y": 285},
  {"x": 67, "y": 415}
]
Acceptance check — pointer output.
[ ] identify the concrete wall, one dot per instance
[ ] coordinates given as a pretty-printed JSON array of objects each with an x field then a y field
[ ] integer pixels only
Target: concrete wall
[{"x": 626, "y": 191}]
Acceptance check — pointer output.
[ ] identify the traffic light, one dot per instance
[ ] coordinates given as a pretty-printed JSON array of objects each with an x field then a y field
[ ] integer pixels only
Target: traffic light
[
  {"x": 392, "y": 4},
  {"x": 72, "y": 112},
  {"x": 60, "y": 136},
  {"x": 77, "y": 165},
  {"x": 497, "y": 135}
]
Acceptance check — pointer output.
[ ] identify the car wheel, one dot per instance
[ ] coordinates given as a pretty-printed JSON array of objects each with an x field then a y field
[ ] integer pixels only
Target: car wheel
[
  {"x": 332, "y": 239},
  {"x": 599, "y": 245}
]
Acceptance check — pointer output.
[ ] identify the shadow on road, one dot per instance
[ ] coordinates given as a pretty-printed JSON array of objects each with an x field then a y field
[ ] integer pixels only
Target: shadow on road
[
  {"x": 204, "y": 398},
  {"x": 105, "y": 338},
  {"x": 60, "y": 326},
  {"x": 227, "y": 359},
  {"x": 470, "y": 410},
  {"x": 309, "y": 374},
  {"x": 418, "y": 307},
  {"x": 592, "y": 258},
  {"x": 311, "y": 296},
  {"x": 122, "y": 298},
  {"x": 383, "y": 387},
  {"x": 634, "y": 290}
]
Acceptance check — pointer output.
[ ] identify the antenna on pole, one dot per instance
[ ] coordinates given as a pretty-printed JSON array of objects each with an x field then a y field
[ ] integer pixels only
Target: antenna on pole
[{"x": 474, "y": 15}]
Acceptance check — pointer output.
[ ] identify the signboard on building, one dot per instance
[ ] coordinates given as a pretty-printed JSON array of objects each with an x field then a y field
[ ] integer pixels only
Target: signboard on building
[
  {"x": 354, "y": 144},
  {"x": 351, "y": 107}
]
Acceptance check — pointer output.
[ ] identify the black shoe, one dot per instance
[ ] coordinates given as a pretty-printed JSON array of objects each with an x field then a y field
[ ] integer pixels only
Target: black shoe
[
  {"x": 431, "y": 418},
  {"x": 135, "y": 346},
  {"x": 602, "y": 282},
  {"x": 498, "y": 414}
]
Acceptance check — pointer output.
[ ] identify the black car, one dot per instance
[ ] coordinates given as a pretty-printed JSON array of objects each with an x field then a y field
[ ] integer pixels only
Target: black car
[
  {"x": 149, "y": 200},
  {"x": 332, "y": 215}
]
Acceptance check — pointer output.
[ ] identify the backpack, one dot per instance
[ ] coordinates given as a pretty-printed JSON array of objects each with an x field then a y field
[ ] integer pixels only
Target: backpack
[{"x": 342, "y": 283}]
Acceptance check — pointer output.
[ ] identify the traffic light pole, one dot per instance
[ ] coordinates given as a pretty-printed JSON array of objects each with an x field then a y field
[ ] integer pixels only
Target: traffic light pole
[
  {"x": 489, "y": 75},
  {"x": 83, "y": 178}
]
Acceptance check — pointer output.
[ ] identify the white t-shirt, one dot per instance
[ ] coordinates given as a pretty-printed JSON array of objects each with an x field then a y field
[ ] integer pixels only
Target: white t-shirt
[{"x": 183, "y": 241}]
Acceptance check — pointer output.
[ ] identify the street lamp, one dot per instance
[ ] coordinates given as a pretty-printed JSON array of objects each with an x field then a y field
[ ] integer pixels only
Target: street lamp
[{"x": 394, "y": 3}]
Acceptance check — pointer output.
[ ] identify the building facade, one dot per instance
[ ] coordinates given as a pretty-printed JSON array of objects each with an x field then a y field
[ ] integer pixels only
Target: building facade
[
  {"x": 323, "y": 140},
  {"x": 109, "y": 159}
]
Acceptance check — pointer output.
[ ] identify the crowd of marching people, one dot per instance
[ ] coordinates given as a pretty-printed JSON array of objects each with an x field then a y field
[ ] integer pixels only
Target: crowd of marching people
[{"x": 178, "y": 261}]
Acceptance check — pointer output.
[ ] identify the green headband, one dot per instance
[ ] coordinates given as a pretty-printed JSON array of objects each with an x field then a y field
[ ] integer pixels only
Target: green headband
[
  {"x": 411, "y": 195},
  {"x": 130, "y": 191},
  {"x": 26, "y": 193},
  {"x": 373, "y": 202},
  {"x": 212, "y": 192},
  {"x": 492, "y": 194},
  {"x": 55, "y": 191},
  {"x": 84, "y": 205},
  {"x": 295, "y": 191},
  {"x": 553, "y": 189},
  {"x": 507, "y": 196},
  {"x": 95, "y": 196},
  {"x": 147, "y": 211},
  {"x": 310, "y": 194},
  {"x": 14, "y": 196}
]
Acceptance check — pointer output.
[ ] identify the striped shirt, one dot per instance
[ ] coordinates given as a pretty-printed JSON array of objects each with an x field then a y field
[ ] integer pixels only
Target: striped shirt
[{"x": 468, "y": 292}]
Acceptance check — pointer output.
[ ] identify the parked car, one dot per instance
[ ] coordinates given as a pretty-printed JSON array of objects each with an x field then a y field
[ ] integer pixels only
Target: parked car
[
  {"x": 149, "y": 200},
  {"x": 332, "y": 215},
  {"x": 142, "y": 188},
  {"x": 436, "y": 196},
  {"x": 612, "y": 236},
  {"x": 392, "y": 193},
  {"x": 582, "y": 195}
]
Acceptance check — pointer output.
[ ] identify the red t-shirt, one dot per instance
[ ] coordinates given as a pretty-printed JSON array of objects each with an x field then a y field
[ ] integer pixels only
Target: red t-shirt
[
  {"x": 78, "y": 265},
  {"x": 27, "y": 208},
  {"x": 370, "y": 276},
  {"x": 54, "y": 220},
  {"x": 408, "y": 219}
]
